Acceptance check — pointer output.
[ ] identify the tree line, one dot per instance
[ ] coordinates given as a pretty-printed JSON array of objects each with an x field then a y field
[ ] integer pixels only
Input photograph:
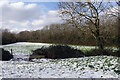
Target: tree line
[{"x": 64, "y": 34}]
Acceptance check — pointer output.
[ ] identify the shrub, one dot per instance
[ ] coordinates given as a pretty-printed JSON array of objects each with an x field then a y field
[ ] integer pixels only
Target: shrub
[
  {"x": 58, "y": 52},
  {"x": 117, "y": 53},
  {"x": 97, "y": 52},
  {"x": 5, "y": 55}
]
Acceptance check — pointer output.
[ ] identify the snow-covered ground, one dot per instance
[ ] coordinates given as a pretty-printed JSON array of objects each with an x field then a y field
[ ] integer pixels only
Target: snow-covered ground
[
  {"x": 24, "y": 48},
  {"x": 87, "y": 67}
]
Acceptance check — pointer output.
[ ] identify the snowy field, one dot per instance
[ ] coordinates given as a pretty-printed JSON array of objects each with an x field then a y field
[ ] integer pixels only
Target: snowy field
[{"x": 87, "y": 67}]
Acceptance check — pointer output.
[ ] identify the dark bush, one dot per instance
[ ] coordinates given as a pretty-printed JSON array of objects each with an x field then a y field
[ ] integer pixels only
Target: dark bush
[
  {"x": 107, "y": 52},
  {"x": 58, "y": 52},
  {"x": 117, "y": 53},
  {"x": 5, "y": 55}
]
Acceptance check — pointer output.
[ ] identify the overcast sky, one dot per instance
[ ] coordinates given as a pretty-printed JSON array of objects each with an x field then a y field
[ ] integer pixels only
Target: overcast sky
[{"x": 21, "y": 16}]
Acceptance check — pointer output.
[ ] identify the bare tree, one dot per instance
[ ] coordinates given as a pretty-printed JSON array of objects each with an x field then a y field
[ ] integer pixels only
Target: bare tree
[
  {"x": 85, "y": 15},
  {"x": 116, "y": 13},
  {"x": 118, "y": 3}
]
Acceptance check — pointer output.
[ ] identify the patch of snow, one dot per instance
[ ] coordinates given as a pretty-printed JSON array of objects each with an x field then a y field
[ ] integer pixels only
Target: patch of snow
[{"x": 26, "y": 43}]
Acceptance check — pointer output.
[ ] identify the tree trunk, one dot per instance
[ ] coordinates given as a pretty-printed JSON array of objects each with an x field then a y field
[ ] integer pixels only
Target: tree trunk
[
  {"x": 99, "y": 43},
  {"x": 98, "y": 37},
  {"x": 119, "y": 29},
  {"x": 99, "y": 40}
]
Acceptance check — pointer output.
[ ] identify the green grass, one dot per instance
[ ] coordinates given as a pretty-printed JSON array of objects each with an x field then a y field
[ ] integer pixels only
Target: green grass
[{"x": 27, "y": 49}]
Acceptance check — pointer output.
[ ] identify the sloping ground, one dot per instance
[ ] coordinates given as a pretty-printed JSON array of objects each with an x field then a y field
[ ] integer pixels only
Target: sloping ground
[
  {"x": 25, "y": 48},
  {"x": 87, "y": 67}
]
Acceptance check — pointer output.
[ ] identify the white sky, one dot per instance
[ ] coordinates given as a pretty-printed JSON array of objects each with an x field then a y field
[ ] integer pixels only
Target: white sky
[{"x": 20, "y": 16}]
